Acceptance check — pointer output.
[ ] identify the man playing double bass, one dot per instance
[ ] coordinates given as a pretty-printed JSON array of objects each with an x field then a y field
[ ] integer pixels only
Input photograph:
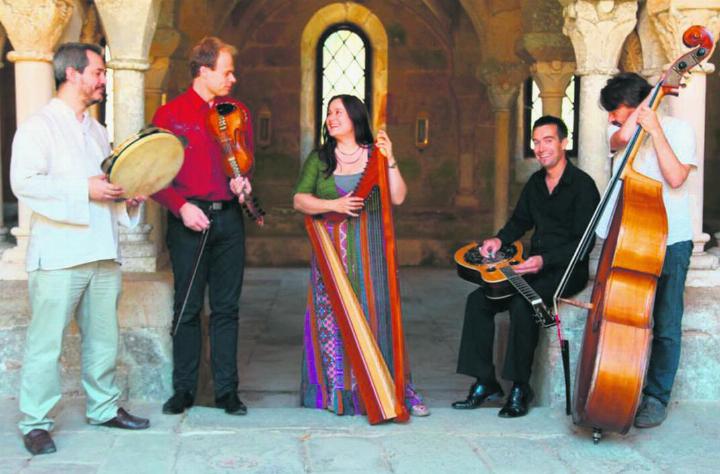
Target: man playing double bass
[
  {"x": 667, "y": 156},
  {"x": 558, "y": 202}
]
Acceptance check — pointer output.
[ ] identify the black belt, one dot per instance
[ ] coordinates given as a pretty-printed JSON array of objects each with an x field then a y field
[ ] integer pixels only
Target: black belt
[{"x": 214, "y": 205}]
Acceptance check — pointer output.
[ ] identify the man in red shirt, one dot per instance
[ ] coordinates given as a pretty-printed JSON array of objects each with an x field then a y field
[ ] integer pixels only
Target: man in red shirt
[{"x": 202, "y": 193}]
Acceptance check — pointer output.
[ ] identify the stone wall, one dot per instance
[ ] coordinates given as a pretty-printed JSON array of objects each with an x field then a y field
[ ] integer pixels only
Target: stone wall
[
  {"x": 427, "y": 73},
  {"x": 699, "y": 360},
  {"x": 145, "y": 360}
]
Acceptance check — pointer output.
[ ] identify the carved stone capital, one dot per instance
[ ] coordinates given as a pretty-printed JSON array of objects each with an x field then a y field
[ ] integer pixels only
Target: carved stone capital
[
  {"x": 502, "y": 96},
  {"x": 542, "y": 46},
  {"x": 542, "y": 38},
  {"x": 34, "y": 26},
  {"x": 597, "y": 29},
  {"x": 552, "y": 77},
  {"x": 672, "y": 17},
  {"x": 131, "y": 64},
  {"x": 129, "y": 26},
  {"x": 503, "y": 80},
  {"x": 496, "y": 73},
  {"x": 653, "y": 55}
]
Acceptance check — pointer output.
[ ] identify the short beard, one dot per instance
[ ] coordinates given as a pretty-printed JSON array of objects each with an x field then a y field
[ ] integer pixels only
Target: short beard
[{"x": 90, "y": 102}]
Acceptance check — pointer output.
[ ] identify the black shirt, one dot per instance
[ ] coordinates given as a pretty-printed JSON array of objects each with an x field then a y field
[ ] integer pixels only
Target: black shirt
[{"x": 559, "y": 218}]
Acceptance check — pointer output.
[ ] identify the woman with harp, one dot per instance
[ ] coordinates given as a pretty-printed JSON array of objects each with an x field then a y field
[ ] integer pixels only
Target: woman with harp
[{"x": 354, "y": 350}]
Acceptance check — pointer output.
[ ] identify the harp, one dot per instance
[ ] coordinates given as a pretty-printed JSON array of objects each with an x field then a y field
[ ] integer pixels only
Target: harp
[{"x": 379, "y": 366}]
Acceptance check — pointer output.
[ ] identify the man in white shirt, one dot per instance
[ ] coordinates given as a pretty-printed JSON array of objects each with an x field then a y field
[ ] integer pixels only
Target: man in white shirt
[
  {"x": 668, "y": 156},
  {"x": 72, "y": 257}
]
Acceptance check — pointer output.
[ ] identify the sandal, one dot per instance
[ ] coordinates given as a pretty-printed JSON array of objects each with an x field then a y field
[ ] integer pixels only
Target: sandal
[{"x": 419, "y": 410}]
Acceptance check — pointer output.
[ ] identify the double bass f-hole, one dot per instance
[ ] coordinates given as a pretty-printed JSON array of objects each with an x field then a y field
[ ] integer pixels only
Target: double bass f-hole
[{"x": 228, "y": 123}]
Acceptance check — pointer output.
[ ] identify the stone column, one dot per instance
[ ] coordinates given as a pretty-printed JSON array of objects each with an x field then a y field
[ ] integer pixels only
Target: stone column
[
  {"x": 502, "y": 98},
  {"x": 466, "y": 196},
  {"x": 552, "y": 78},
  {"x": 3, "y": 229},
  {"x": 597, "y": 30},
  {"x": 503, "y": 81},
  {"x": 129, "y": 27},
  {"x": 164, "y": 45},
  {"x": 670, "y": 20},
  {"x": 33, "y": 27}
]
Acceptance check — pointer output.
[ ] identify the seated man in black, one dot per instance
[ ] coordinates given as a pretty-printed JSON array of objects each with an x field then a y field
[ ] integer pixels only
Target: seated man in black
[{"x": 558, "y": 202}]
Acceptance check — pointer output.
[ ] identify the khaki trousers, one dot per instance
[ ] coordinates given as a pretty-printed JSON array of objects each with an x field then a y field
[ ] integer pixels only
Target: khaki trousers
[{"x": 93, "y": 289}]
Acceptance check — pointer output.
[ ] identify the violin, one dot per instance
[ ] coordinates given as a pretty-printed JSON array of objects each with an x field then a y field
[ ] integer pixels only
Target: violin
[
  {"x": 228, "y": 123},
  {"x": 615, "y": 350}
]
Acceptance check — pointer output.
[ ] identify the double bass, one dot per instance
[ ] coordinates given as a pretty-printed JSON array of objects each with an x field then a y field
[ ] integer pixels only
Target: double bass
[{"x": 615, "y": 349}]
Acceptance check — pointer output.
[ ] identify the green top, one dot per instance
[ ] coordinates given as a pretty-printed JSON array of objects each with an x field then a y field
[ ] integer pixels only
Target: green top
[{"x": 313, "y": 181}]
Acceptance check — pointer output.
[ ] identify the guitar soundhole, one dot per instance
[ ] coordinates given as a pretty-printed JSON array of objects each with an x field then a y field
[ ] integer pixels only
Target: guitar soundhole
[
  {"x": 490, "y": 269},
  {"x": 473, "y": 256}
]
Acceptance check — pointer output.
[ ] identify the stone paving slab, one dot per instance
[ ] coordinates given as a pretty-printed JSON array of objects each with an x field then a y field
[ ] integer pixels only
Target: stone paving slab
[{"x": 298, "y": 440}]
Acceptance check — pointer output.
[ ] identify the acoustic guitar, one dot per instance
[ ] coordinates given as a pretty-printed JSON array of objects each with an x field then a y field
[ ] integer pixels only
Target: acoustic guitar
[{"x": 495, "y": 274}]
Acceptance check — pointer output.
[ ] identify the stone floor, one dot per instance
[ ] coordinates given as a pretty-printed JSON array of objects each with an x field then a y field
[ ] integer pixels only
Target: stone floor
[{"x": 278, "y": 437}]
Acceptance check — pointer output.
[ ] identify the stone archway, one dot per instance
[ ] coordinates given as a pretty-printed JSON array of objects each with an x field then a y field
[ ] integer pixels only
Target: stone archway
[{"x": 322, "y": 19}]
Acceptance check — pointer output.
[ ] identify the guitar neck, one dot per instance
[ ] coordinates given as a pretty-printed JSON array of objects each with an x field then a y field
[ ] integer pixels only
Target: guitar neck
[{"x": 522, "y": 286}]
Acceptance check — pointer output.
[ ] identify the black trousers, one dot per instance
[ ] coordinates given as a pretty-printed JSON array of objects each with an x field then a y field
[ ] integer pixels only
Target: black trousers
[
  {"x": 221, "y": 272},
  {"x": 476, "y": 344}
]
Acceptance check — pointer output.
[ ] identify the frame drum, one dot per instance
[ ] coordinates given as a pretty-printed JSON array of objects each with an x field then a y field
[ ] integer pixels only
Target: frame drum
[{"x": 145, "y": 163}]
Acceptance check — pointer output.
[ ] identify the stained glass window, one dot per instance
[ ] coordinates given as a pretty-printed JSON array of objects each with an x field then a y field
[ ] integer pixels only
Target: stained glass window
[{"x": 343, "y": 67}]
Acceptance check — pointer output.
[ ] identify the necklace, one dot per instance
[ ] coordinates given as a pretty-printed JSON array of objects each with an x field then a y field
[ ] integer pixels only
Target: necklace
[
  {"x": 347, "y": 154},
  {"x": 346, "y": 162}
]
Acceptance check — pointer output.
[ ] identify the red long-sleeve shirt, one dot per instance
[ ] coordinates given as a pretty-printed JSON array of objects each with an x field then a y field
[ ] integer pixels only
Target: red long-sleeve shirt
[{"x": 201, "y": 175}]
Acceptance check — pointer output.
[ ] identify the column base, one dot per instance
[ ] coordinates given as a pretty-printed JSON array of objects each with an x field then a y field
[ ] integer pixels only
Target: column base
[
  {"x": 12, "y": 260},
  {"x": 704, "y": 261},
  {"x": 137, "y": 252},
  {"x": 12, "y": 263},
  {"x": 703, "y": 278}
]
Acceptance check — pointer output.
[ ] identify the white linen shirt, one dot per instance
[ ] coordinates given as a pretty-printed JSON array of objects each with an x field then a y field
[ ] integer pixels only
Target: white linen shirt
[
  {"x": 53, "y": 155},
  {"x": 681, "y": 138}
]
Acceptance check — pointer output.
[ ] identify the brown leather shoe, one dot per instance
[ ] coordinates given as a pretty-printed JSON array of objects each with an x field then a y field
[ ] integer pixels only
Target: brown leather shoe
[
  {"x": 126, "y": 421},
  {"x": 39, "y": 442}
]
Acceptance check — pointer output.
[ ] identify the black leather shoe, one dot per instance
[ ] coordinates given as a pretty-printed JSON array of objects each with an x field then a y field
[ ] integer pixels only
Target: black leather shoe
[
  {"x": 479, "y": 394},
  {"x": 39, "y": 442},
  {"x": 231, "y": 404},
  {"x": 126, "y": 421},
  {"x": 517, "y": 402},
  {"x": 177, "y": 404}
]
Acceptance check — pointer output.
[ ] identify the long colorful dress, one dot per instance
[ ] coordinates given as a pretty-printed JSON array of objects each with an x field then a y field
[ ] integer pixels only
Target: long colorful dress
[{"x": 328, "y": 380}]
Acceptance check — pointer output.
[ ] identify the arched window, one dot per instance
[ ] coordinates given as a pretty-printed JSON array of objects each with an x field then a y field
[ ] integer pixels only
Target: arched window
[
  {"x": 570, "y": 113},
  {"x": 343, "y": 67}
]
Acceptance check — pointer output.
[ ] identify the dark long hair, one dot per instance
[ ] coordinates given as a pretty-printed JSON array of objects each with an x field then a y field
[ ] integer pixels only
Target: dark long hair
[{"x": 361, "y": 124}]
